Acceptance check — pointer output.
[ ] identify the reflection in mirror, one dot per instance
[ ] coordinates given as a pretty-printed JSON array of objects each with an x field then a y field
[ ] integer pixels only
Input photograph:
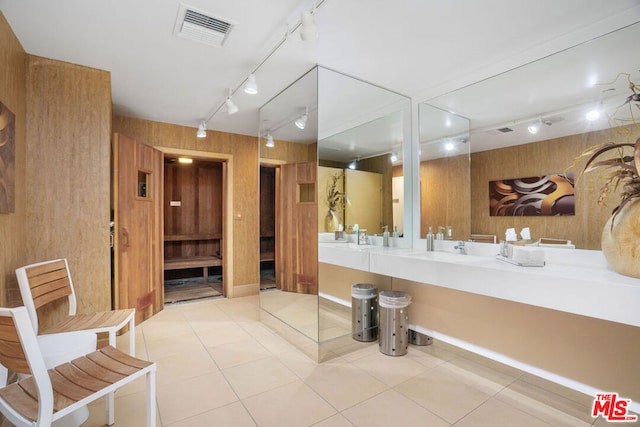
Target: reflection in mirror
[
  {"x": 362, "y": 130},
  {"x": 444, "y": 174},
  {"x": 531, "y": 122},
  {"x": 288, "y": 207},
  {"x": 363, "y": 137},
  {"x": 353, "y": 122}
]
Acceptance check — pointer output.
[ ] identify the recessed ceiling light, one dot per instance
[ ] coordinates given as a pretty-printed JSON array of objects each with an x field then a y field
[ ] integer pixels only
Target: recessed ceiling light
[{"x": 593, "y": 115}]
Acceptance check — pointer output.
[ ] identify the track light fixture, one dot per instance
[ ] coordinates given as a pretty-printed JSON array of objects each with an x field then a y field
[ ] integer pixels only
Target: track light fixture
[
  {"x": 202, "y": 130},
  {"x": 533, "y": 128},
  {"x": 270, "y": 142},
  {"x": 301, "y": 122},
  {"x": 394, "y": 156},
  {"x": 308, "y": 28},
  {"x": 231, "y": 107},
  {"x": 308, "y": 31},
  {"x": 251, "y": 87}
]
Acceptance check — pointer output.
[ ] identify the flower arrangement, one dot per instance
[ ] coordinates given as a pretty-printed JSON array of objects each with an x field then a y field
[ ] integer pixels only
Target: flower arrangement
[
  {"x": 622, "y": 168},
  {"x": 336, "y": 199}
]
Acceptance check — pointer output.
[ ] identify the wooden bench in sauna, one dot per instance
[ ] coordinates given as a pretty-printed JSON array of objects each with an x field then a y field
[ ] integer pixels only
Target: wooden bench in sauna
[{"x": 192, "y": 261}]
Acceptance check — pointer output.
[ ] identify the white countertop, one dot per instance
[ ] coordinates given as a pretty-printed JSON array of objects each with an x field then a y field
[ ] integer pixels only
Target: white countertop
[{"x": 573, "y": 280}]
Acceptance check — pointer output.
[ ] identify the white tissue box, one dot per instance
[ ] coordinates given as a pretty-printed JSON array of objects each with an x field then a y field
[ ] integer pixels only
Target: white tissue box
[{"x": 524, "y": 256}]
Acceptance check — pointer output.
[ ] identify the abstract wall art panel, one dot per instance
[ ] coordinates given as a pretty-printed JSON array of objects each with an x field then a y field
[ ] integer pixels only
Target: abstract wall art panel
[
  {"x": 549, "y": 195},
  {"x": 7, "y": 159}
]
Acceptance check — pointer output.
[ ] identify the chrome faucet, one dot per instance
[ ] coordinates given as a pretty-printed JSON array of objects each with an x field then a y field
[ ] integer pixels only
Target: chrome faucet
[{"x": 462, "y": 247}]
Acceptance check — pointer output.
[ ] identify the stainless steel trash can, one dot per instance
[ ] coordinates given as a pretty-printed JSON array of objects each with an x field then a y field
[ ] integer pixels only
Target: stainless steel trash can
[
  {"x": 394, "y": 322},
  {"x": 364, "y": 312}
]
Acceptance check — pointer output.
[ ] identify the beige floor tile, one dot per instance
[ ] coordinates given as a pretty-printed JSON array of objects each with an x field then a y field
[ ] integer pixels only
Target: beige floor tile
[
  {"x": 165, "y": 329},
  {"x": 366, "y": 350},
  {"x": 195, "y": 396},
  {"x": 343, "y": 384},
  {"x": 337, "y": 420},
  {"x": 183, "y": 366},
  {"x": 233, "y": 414},
  {"x": 170, "y": 346},
  {"x": 445, "y": 391},
  {"x": 223, "y": 333},
  {"x": 546, "y": 405},
  {"x": 390, "y": 408},
  {"x": 130, "y": 411},
  {"x": 268, "y": 338},
  {"x": 496, "y": 366},
  {"x": 237, "y": 353},
  {"x": 496, "y": 413},
  {"x": 431, "y": 355},
  {"x": 389, "y": 369},
  {"x": 258, "y": 376},
  {"x": 293, "y": 404},
  {"x": 298, "y": 362},
  {"x": 489, "y": 380},
  {"x": 558, "y": 389}
]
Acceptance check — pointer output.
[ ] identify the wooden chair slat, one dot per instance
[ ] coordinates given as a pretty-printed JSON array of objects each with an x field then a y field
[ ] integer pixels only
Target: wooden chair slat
[
  {"x": 69, "y": 389},
  {"x": 110, "y": 364},
  {"x": 97, "y": 371},
  {"x": 124, "y": 358},
  {"x": 92, "y": 321},
  {"x": 22, "y": 402},
  {"x": 81, "y": 378},
  {"x": 39, "y": 270}
]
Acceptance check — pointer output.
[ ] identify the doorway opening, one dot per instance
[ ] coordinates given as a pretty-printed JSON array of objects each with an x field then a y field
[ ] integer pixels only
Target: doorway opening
[
  {"x": 268, "y": 194},
  {"x": 194, "y": 217}
]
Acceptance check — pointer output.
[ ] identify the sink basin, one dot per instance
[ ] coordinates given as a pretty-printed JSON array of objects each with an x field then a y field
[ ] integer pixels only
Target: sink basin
[{"x": 448, "y": 257}]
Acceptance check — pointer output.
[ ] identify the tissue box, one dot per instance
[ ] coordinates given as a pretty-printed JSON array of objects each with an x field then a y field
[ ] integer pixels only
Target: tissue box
[{"x": 524, "y": 256}]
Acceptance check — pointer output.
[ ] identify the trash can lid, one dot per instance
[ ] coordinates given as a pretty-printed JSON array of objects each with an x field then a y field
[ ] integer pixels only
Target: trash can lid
[
  {"x": 363, "y": 290},
  {"x": 394, "y": 299}
]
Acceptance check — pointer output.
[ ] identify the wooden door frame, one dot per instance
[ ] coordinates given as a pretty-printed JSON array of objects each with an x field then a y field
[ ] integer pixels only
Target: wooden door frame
[
  {"x": 275, "y": 163},
  {"x": 227, "y": 208}
]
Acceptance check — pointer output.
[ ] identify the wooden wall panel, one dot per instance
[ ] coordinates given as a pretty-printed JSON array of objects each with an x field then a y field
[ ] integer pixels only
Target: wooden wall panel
[
  {"x": 445, "y": 196},
  {"x": 541, "y": 158},
  {"x": 13, "y": 94},
  {"x": 244, "y": 149},
  {"x": 68, "y": 174}
]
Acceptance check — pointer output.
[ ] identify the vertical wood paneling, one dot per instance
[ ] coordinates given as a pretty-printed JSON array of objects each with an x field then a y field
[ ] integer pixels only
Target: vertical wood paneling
[
  {"x": 13, "y": 71},
  {"x": 68, "y": 174},
  {"x": 445, "y": 196}
]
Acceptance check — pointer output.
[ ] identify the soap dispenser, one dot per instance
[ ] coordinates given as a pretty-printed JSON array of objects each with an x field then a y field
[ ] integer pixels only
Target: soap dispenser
[
  {"x": 430, "y": 239},
  {"x": 385, "y": 236},
  {"x": 395, "y": 231}
]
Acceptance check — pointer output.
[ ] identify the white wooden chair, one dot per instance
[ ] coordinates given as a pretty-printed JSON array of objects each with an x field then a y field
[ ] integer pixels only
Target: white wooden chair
[
  {"x": 49, "y": 281},
  {"x": 48, "y": 395}
]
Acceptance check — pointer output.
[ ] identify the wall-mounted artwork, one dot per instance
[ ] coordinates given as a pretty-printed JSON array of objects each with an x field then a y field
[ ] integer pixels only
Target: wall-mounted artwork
[
  {"x": 549, "y": 195},
  {"x": 7, "y": 159}
]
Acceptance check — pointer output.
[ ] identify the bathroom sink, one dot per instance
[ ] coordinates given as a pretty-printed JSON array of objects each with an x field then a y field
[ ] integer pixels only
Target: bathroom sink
[{"x": 448, "y": 257}]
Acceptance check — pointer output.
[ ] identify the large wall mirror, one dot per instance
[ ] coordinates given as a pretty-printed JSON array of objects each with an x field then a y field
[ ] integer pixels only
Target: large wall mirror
[
  {"x": 445, "y": 168},
  {"x": 363, "y": 138},
  {"x": 288, "y": 207},
  {"x": 531, "y": 123},
  {"x": 356, "y": 136}
]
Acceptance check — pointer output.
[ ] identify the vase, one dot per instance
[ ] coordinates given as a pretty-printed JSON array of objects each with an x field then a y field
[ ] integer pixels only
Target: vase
[
  {"x": 621, "y": 244},
  {"x": 331, "y": 222}
]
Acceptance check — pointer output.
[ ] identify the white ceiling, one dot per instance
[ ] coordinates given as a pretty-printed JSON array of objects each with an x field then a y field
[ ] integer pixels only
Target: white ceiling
[{"x": 418, "y": 48}]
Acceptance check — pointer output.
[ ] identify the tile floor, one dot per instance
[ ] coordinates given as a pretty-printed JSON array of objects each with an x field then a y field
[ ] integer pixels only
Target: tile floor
[{"x": 218, "y": 365}]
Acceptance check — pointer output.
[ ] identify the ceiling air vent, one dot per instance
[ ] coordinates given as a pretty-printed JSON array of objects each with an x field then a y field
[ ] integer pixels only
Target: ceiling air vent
[
  {"x": 200, "y": 26},
  {"x": 504, "y": 130}
]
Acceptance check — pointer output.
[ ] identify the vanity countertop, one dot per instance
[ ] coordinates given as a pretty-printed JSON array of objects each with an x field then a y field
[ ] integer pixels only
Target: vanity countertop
[{"x": 574, "y": 281}]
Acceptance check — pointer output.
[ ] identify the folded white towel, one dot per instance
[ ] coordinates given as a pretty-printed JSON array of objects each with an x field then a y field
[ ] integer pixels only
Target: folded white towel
[{"x": 527, "y": 255}]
